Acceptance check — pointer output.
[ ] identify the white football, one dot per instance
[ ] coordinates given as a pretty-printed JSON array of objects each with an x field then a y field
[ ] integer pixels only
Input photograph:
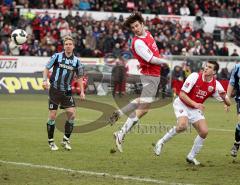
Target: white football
[{"x": 19, "y": 36}]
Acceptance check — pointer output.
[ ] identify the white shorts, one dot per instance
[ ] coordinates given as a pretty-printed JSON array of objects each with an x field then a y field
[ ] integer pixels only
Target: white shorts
[
  {"x": 150, "y": 87},
  {"x": 181, "y": 110}
]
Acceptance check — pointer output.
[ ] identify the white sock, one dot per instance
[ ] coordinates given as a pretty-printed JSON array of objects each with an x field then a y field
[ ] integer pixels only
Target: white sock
[
  {"x": 172, "y": 132},
  {"x": 120, "y": 112},
  {"x": 129, "y": 124},
  {"x": 197, "y": 145}
]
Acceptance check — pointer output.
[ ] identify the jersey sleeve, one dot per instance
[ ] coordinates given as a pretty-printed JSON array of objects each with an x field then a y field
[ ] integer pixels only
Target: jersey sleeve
[
  {"x": 219, "y": 90},
  {"x": 80, "y": 69},
  {"x": 232, "y": 78},
  {"x": 143, "y": 50},
  {"x": 52, "y": 60},
  {"x": 190, "y": 82}
]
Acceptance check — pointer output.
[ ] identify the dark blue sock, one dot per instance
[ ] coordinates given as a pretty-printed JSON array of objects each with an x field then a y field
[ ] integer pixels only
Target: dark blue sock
[{"x": 237, "y": 133}]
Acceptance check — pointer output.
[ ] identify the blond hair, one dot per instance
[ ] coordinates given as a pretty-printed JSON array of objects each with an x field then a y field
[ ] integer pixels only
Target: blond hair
[{"x": 68, "y": 38}]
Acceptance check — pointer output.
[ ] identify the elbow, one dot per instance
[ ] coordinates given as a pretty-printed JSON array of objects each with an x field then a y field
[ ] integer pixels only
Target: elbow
[{"x": 181, "y": 94}]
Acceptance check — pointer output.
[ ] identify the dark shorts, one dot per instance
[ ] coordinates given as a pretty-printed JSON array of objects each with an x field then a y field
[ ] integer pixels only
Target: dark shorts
[{"x": 62, "y": 98}]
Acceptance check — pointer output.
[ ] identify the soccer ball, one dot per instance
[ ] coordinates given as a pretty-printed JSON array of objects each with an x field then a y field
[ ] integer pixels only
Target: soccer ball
[{"x": 19, "y": 36}]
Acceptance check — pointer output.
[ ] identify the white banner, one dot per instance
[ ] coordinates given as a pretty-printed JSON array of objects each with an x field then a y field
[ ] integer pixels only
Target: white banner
[{"x": 20, "y": 64}]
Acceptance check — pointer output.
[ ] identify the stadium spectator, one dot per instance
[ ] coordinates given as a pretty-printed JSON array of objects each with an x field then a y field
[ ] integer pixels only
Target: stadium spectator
[
  {"x": 60, "y": 92},
  {"x": 84, "y": 5},
  {"x": 3, "y": 47},
  {"x": 165, "y": 70},
  {"x": 207, "y": 8},
  {"x": 235, "y": 53},
  {"x": 224, "y": 74},
  {"x": 188, "y": 108},
  {"x": 184, "y": 10},
  {"x": 178, "y": 77},
  {"x": 170, "y": 37},
  {"x": 145, "y": 50},
  {"x": 198, "y": 25},
  {"x": 224, "y": 50},
  {"x": 119, "y": 74}
]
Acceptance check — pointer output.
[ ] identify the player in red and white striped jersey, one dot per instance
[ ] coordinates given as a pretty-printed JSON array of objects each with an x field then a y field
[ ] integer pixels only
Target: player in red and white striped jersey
[{"x": 189, "y": 107}]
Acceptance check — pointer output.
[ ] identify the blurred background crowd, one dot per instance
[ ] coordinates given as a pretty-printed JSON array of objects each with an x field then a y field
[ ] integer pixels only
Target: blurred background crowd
[{"x": 96, "y": 38}]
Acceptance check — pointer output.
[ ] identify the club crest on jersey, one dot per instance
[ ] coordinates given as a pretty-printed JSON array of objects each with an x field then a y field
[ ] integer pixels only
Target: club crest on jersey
[
  {"x": 210, "y": 89},
  {"x": 186, "y": 85}
]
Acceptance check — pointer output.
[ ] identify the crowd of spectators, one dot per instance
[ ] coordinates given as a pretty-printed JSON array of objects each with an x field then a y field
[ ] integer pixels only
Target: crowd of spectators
[
  {"x": 220, "y": 8},
  {"x": 97, "y": 38}
]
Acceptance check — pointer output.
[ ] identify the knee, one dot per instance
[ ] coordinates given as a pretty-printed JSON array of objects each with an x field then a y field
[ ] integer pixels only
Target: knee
[
  {"x": 52, "y": 115},
  {"x": 203, "y": 133},
  {"x": 71, "y": 115},
  {"x": 181, "y": 127}
]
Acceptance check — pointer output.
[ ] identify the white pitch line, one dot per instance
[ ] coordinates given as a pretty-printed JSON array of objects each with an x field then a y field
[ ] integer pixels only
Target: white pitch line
[{"x": 91, "y": 173}]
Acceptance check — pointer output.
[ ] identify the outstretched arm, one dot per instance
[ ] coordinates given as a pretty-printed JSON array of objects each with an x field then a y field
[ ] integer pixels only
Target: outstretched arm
[
  {"x": 158, "y": 61},
  {"x": 221, "y": 95},
  {"x": 229, "y": 90},
  {"x": 80, "y": 81},
  {"x": 145, "y": 53}
]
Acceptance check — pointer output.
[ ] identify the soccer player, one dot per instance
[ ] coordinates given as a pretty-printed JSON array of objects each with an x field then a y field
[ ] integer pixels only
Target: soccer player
[
  {"x": 188, "y": 107},
  {"x": 145, "y": 50},
  {"x": 65, "y": 65},
  {"x": 234, "y": 85}
]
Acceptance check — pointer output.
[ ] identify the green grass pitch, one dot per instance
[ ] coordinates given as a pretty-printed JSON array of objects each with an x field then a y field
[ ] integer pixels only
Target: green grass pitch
[{"x": 23, "y": 139}]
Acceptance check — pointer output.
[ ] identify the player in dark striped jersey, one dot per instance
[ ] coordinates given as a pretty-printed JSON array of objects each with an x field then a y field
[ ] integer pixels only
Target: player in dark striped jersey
[
  {"x": 65, "y": 65},
  {"x": 234, "y": 85}
]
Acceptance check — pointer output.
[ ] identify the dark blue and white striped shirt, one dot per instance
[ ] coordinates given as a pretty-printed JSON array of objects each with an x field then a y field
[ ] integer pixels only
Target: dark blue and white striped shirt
[
  {"x": 235, "y": 80},
  {"x": 64, "y": 69}
]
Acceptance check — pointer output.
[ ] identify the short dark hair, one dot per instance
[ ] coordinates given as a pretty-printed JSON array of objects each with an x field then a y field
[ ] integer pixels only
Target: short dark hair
[
  {"x": 136, "y": 16},
  {"x": 216, "y": 65}
]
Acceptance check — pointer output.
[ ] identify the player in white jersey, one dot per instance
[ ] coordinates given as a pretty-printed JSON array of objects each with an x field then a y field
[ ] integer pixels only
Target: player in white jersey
[{"x": 188, "y": 108}]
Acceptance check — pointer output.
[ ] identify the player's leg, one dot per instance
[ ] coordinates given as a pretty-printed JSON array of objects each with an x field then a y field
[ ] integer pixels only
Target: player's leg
[
  {"x": 131, "y": 121},
  {"x": 202, "y": 129},
  {"x": 181, "y": 112},
  {"x": 150, "y": 85},
  {"x": 236, "y": 144},
  {"x": 69, "y": 124},
  {"x": 52, "y": 106},
  {"x": 182, "y": 124},
  {"x": 68, "y": 103},
  {"x": 120, "y": 112}
]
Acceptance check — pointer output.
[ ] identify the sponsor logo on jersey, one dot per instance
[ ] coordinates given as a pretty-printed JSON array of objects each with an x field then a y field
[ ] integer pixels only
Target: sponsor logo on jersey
[
  {"x": 201, "y": 94},
  {"x": 66, "y": 66}
]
